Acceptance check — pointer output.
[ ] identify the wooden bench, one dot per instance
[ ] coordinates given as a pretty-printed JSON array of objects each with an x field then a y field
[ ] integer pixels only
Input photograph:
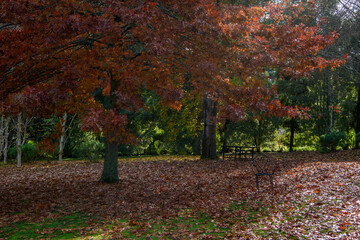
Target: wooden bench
[{"x": 238, "y": 152}]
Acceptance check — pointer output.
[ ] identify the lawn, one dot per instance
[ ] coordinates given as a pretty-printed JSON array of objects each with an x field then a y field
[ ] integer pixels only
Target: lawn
[{"x": 316, "y": 196}]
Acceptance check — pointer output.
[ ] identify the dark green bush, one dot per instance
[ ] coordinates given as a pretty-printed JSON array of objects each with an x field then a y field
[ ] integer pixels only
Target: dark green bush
[
  {"x": 357, "y": 138},
  {"x": 349, "y": 141},
  {"x": 29, "y": 152},
  {"x": 330, "y": 141},
  {"x": 12, "y": 152},
  {"x": 91, "y": 150}
]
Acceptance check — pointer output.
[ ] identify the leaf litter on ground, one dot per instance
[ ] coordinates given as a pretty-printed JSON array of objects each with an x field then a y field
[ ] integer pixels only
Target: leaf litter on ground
[{"x": 315, "y": 196}]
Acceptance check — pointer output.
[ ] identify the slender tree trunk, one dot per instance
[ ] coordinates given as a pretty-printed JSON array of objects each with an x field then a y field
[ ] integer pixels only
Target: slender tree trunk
[
  {"x": 259, "y": 138},
  {"x": 331, "y": 120},
  {"x": 6, "y": 139},
  {"x": 62, "y": 137},
  {"x": 110, "y": 170},
  {"x": 257, "y": 144},
  {"x": 25, "y": 123},
  {"x": 331, "y": 115},
  {"x": 331, "y": 106},
  {"x": 209, "y": 133},
  {"x": 18, "y": 139},
  {"x": 2, "y": 135},
  {"x": 357, "y": 114},
  {"x": 292, "y": 133}
]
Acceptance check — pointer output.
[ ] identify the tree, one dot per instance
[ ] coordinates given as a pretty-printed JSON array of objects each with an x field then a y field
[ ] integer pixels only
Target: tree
[
  {"x": 210, "y": 107},
  {"x": 342, "y": 16},
  {"x": 126, "y": 49},
  {"x": 295, "y": 93},
  {"x": 262, "y": 38},
  {"x": 64, "y": 133},
  {"x": 349, "y": 12},
  {"x": 72, "y": 49},
  {"x": 20, "y": 125},
  {"x": 4, "y": 137}
]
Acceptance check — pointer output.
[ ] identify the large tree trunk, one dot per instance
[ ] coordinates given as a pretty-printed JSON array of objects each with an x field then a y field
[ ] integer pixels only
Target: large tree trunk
[
  {"x": 110, "y": 171},
  {"x": 209, "y": 134}
]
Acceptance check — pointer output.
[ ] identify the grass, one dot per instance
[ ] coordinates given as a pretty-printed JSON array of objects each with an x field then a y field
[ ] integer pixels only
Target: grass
[
  {"x": 66, "y": 227},
  {"x": 188, "y": 222}
]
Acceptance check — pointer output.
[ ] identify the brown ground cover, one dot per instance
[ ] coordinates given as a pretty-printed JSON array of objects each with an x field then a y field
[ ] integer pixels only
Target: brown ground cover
[{"x": 315, "y": 194}]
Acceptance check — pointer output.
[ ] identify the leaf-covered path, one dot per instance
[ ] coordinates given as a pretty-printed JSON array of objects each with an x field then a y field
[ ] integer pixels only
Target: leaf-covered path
[{"x": 315, "y": 196}]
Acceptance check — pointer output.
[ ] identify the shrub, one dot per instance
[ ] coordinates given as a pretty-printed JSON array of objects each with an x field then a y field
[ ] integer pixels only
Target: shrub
[
  {"x": 90, "y": 149},
  {"x": 357, "y": 138},
  {"x": 29, "y": 152},
  {"x": 330, "y": 141},
  {"x": 349, "y": 141},
  {"x": 12, "y": 152},
  {"x": 304, "y": 148}
]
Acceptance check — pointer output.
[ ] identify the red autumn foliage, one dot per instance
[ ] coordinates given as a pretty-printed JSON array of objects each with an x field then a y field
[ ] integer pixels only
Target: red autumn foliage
[{"x": 74, "y": 48}]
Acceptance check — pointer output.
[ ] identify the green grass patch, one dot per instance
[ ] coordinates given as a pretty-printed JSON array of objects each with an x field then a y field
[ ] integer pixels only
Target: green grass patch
[
  {"x": 247, "y": 216},
  {"x": 197, "y": 224},
  {"x": 67, "y": 227}
]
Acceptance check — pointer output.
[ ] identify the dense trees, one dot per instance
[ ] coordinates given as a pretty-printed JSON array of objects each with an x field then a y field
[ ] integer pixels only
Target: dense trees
[{"x": 102, "y": 60}]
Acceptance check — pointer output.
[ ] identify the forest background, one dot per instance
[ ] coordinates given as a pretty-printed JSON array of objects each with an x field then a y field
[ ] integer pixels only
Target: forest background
[
  {"x": 329, "y": 97},
  {"x": 95, "y": 79}
]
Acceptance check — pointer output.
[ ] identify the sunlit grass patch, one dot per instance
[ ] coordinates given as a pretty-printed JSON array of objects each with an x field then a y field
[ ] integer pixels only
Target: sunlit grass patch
[
  {"x": 190, "y": 223},
  {"x": 193, "y": 224},
  {"x": 68, "y": 227}
]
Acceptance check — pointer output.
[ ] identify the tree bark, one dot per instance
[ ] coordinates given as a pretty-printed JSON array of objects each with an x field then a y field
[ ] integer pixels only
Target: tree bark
[
  {"x": 331, "y": 107},
  {"x": 209, "y": 134},
  {"x": 2, "y": 134},
  {"x": 258, "y": 139},
  {"x": 357, "y": 115},
  {"x": 110, "y": 170},
  {"x": 18, "y": 139},
  {"x": 6, "y": 139},
  {"x": 62, "y": 137},
  {"x": 292, "y": 133}
]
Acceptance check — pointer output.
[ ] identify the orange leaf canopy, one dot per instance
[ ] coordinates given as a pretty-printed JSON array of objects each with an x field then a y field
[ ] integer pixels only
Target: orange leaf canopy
[{"x": 73, "y": 51}]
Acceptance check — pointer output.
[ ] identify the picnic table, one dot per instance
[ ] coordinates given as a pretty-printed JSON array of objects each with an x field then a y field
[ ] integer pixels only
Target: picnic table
[{"x": 238, "y": 152}]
